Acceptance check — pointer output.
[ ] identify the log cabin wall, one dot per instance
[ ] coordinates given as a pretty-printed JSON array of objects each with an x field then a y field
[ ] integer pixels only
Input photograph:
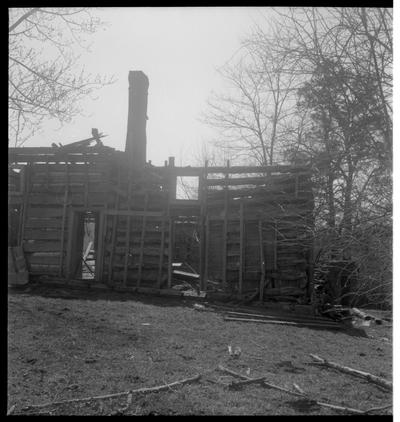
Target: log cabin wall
[
  {"x": 259, "y": 231},
  {"x": 254, "y": 224},
  {"x": 130, "y": 209},
  {"x": 56, "y": 183}
]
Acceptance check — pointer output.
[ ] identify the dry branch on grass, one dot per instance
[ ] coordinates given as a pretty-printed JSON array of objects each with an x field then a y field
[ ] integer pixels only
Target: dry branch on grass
[
  {"x": 372, "y": 378},
  {"x": 264, "y": 383},
  {"x": 107, "y": 396},
  {"x": 292, "y": 323}
]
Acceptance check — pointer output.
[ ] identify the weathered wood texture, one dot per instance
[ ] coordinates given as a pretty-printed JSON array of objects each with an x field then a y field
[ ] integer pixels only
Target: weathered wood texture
[
  {"x": 265, "y": 225},
  {"x": 251, "y": 227}
]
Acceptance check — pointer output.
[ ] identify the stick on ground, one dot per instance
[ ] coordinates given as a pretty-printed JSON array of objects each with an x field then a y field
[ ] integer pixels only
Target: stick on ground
[
  {"x": 372, "y": 378},
  {"x": 294, "y": 393},
  {"x": 107, "y": 396}
]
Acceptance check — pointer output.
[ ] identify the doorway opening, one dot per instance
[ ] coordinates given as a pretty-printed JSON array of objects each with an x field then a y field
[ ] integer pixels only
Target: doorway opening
[
  {"x": 88, "y": 247},
  {"x": 85, "y": 237}
]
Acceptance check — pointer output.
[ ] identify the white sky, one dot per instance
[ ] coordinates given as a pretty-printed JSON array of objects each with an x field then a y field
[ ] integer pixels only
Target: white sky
[{"x": 179, "y": 49}]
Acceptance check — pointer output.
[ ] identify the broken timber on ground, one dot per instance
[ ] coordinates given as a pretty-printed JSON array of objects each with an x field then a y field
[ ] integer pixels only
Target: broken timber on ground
[
  {"x": 262, "y": 381},
  {"x": 372, "y": 378},
  {"x": 250, "y": 226},
  {"x": 145, "y": 390}
]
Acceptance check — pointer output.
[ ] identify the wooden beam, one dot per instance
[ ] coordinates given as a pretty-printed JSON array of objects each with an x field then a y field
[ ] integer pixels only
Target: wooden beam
[
  {"x": 114, "y": 231},
  {"x": 54, "y": 151},
  {"x": 197, "y": 171},
  {"x": 64, "y": 216},
  {"x": 277, "y": 283},
  {"x": 139, "y": 277},
  {"x": 162, "y": 248},
  {"x": 100, "y": 246},
  {"x": 127, "y": 248},
  {"x": 86, "y": 181},
  {"x": 203, "y": 229},
  {"x": 241, "y": 256},
  {"x": 225, "y": 229},
  {"x": 206, "y": 253},
  {"x": 170, "y": 250},
  {"x": 25, "y": 204},
  {"x": 262, "y": 260},
  {"x": 128, "y": 229},
  {"x": 130, "y": 213},
  {"x": 172, "y": 178}
]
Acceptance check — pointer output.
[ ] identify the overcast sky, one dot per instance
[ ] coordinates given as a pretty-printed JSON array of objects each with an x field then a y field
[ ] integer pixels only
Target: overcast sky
[{"x": 180, "y": 50}]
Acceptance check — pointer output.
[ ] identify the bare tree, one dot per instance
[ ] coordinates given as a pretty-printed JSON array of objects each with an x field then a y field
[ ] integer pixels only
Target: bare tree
[
  {"x": 333, "y": 111},
  {"x": 44, "y": 78},
  {"x": 251, "y": 117}
]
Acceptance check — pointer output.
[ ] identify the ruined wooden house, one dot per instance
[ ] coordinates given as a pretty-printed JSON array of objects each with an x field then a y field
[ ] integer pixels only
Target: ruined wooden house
[{"x": 249, "y": 228}]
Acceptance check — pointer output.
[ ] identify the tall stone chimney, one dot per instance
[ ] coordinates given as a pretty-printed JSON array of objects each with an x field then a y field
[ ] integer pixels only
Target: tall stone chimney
[{"x": 135, "y": 146}]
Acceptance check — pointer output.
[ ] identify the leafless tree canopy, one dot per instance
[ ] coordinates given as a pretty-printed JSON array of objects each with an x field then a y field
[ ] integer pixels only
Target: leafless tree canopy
[
  {"x": 45, "y": 80},
  {"x": 314, "y": 85}
]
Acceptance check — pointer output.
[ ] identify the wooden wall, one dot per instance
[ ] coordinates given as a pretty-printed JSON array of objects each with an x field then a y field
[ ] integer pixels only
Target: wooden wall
[{"x": 253, "y": 224}]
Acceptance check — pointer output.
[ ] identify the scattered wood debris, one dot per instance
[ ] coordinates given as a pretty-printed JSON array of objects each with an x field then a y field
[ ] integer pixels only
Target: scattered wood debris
[
  {"x": 262, "y": 381},
  {"x": 342, "y": 313},
  {"x": 282, "y": 322},
  {"x": 372, "y": 378},
  {"x": 107, "y": 396}
]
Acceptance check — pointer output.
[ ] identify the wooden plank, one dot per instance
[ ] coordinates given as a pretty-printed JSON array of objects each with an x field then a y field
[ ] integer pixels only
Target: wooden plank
[
  {"x": 63, "y": 224},
  {"x": 198, "y": 171},
  {"x": 142, "y": 241},
  {"x": 49, "y": 150},
  {"x": 86, "y": 181},
  {"x": 225, "y": 229},
  {"x": 11, "y": 263},
  {"x": 25, "y": 205},
  {"x": 242, "y": 246},
  {"x": 62, "y": 158},
  {"x": 55, "y": 178},
  {"x": 42, "y": 234},
  {"x": 43, "y": 223},
  {"x": 55, "y": 168},
  {"x": 128, "y": 230},
  {"x": 15, "y": 199},
  {"x": 172, "y": 178},
  {"x": 43, "y": 259},
  {"x": 275, "y": 246},
  {"x": 148, "y": 274},
  {"x": 141, "y": 213},
  {"x": 273, "y": 181},
  {"x": 114, "y": 231},
  {"x": 331, "y": 325},
  {"x": 100, "y": 246},
  {"x": 263, "y": 197},
  {"x": 127, "y": 250},
  {"x": 19, "y": 259},
  {"x": 42, "y": 246},
  {"x": 170, "y": 250},
  {"x": 76, "y": 199},
  {"x": 45, "y": 212},
  {"x": 162, "y": 252},
  {"x": 203, "y": 227},
  {"x": 267, "y": 215},
  {"x": 262, "y": 261},
  {"x": 206, "y": 254}
]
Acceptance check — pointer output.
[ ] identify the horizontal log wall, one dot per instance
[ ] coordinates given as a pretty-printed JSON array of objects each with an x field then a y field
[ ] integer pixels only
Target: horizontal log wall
[
  {"x": 277, "y": 213},
  {"x": 55, "y": 181},
  {"x": 254, "y": 223}
]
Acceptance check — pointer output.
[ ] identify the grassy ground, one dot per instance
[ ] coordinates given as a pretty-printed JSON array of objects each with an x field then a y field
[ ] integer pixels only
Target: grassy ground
[{"x": 74, "y": 345}]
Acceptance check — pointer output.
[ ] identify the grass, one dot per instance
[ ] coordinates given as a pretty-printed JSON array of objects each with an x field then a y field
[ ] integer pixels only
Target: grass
[{"x": 65, "y": 344}]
